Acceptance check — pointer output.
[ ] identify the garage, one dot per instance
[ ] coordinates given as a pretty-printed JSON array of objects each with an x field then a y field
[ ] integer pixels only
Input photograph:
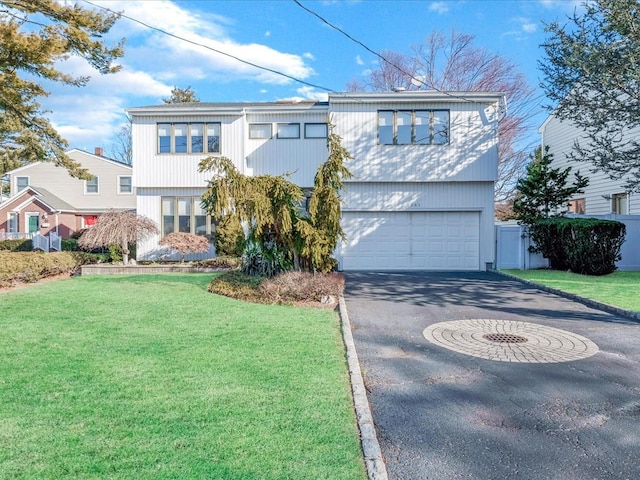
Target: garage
[{"x": 411, "y": 241}]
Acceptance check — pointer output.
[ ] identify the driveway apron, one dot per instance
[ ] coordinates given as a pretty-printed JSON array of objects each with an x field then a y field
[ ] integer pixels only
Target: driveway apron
[{"x": 477, "y": 376}]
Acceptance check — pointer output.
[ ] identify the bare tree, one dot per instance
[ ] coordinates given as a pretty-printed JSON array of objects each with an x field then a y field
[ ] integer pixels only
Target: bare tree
[
  {"x": 121, "y": 149},
  {"x": 453, "y": 64},
  {"x": 185, "y": 243},
  {"x": 118, "y": 228}
]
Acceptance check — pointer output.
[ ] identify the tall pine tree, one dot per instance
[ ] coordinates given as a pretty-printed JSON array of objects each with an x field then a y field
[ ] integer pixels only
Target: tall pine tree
[{"x": 36, "y": 36}]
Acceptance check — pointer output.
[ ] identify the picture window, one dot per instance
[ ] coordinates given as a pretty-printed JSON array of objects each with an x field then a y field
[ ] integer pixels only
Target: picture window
[
  {"x": 288, "y": 130},
  {"x": 189, "y": 138},
  {"x": 413, "y": 127}
]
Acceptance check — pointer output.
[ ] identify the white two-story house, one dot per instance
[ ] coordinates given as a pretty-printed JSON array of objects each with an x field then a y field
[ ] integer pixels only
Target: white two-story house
[{"x": 424, "y": 166}]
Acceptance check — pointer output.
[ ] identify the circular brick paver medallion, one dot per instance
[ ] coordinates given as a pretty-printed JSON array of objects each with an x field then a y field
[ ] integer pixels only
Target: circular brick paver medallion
[{"x": 510, "y": 341}]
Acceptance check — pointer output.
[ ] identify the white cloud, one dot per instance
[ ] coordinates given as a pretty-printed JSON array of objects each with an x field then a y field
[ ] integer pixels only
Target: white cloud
[
  {"x": 155, "y": 61},
  {"x": 359, "y": 60},
  {"x": 267, "y": 33},
  {"x": 311, "y": 93},
  {"x": 523, "y": 27},
  {"x": 439, "y": 7},
  {"x": 566, "y": 5}
]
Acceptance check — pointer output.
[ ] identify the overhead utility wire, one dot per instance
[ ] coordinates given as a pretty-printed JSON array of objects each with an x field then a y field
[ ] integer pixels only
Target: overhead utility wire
[
  {"x": 322, "y": 19},
  {"x": 246, "y": 62}
]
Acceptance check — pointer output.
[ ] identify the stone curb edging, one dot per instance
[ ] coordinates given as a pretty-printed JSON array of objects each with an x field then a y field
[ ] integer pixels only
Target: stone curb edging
[
  {"x": 572, "y": 296},
  {"x": 376, "y": 468}
]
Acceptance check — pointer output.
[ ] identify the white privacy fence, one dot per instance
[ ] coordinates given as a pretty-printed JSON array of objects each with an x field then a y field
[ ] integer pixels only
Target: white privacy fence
[{"x": 512, "y": 245}]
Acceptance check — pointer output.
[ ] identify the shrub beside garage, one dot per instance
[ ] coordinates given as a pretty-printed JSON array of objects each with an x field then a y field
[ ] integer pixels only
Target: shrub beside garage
[{"x": 588, "y": 246}]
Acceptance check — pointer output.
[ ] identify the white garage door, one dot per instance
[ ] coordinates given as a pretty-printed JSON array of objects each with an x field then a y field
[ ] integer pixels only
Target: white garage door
[{"x": 411, "y": 241}]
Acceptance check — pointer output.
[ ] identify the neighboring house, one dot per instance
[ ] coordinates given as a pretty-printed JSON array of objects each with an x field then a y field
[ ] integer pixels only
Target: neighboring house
[
  {"x": 45, "y": 198},
  {"x": 603, "y": 195},
  {"x": 424, "y": 166}
]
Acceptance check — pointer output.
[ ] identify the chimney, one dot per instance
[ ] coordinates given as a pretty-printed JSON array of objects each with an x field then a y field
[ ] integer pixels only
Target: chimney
[{"x": 99, "y": 151}]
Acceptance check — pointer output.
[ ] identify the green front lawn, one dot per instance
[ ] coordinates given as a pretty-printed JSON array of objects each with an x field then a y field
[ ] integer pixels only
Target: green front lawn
[
  {"x": 152, "y": 377},
  {"x": 618, "y": 288}
]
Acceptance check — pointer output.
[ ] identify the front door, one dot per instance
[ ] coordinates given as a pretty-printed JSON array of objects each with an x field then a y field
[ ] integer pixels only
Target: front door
[{"x": 34, "y": 222}]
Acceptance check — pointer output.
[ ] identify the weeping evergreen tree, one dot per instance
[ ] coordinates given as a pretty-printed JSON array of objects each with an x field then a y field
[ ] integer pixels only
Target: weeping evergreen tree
[
  {"x": 321, "y": 231},
  {"x": 270, "y": 205},
  {"x": 267, "y": 203}
]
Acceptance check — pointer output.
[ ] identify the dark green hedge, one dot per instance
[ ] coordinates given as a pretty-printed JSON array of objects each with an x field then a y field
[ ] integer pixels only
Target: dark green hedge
[
  {"x": 587, "y": 246},
  {"x": 16, "y": 245}
]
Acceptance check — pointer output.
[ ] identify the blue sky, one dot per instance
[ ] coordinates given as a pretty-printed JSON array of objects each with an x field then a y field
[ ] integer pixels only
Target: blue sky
[{"x": 281, "y": 36}]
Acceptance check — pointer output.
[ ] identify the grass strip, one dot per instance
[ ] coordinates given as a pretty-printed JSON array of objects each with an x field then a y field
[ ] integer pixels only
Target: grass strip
[{"x": 618, "y": 288}]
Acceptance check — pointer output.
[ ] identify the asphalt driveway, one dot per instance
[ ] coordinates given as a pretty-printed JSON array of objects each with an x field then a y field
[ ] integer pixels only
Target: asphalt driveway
[{"x": 441, "y": 414}]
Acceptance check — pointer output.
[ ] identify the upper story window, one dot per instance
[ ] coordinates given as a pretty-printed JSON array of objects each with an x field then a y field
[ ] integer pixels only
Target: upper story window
[
  {"x": 124, "y": 184},
  {"x": 288, "y": 130},
  {"x": 22, "y": 183},
  {"x": 189, "y": 138},
  {"x": 315, "y": 130},
  {"x": 413, "y": 127},
  {"x": 260, "y": 131},
  {"x": 91, "y": 186}
]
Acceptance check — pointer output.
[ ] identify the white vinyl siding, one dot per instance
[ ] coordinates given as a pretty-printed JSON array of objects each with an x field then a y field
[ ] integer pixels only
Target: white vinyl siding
[
  {"x": 598, "y": 195},
  {"x": 298, "y": 157},
  {"x": 153, "y": 169},
  {"x": 471, "y": 152}
]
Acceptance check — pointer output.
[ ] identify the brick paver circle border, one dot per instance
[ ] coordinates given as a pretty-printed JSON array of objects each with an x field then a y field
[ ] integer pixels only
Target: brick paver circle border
[{"x": 544, "y": 344}]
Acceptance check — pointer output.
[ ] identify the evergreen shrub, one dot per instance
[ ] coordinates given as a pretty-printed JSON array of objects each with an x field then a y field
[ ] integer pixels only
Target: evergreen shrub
[
  {"x": 28, "y": 267},
  {"x": 16, "y": 245},
  {"x": 228, "y": 237},
  {"x": 69, "y": 245},
  {"x": 586, "y": 246}
]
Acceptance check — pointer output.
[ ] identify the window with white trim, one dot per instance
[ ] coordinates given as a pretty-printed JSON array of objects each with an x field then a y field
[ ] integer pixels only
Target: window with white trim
[
  {"x": 413, "y": 127},
  {"x": 620, "y": 204},
  {"x": 12, "y": 220},
  {"x": 125, "y": 185},
  {"x": 22, "y": 183},
  {"x": 91, "y": 186},
  {"x": 288, "y": 130},
  {"x": 193, "y": 138}
]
